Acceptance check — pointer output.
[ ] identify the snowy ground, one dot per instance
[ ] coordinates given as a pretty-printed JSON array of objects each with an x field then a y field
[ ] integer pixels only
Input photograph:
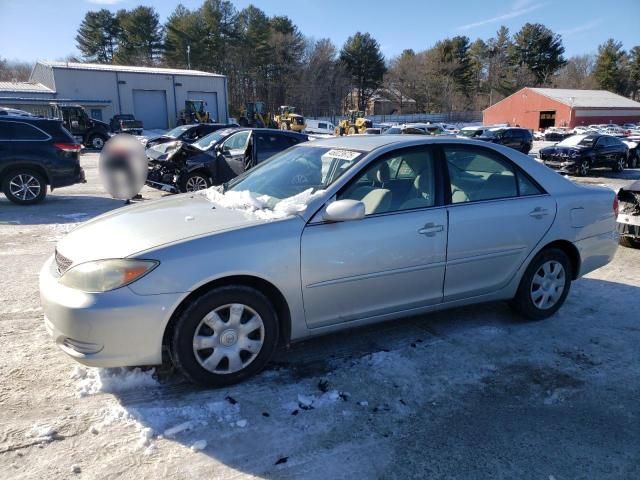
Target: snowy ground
[{"x": 469, "y": 393}]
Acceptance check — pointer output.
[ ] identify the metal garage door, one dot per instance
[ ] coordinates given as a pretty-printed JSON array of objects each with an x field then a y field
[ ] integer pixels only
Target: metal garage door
[
  {"x": 150, "y": 106},
  {"x": 212, "y": 102}
]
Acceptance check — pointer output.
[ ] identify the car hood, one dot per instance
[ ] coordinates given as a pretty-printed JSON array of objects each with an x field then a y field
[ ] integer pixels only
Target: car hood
[
  {"x": 136, "y": 228},
  {"x": 163, "y": 151},
  {"x": 561, "y": 149}
]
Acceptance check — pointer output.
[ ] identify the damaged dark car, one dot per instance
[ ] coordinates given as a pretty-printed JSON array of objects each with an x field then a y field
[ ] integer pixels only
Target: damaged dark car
[
  {"x": 188, "y": 133},
  {"x": 628, "y": 221},
  {"x": 580, "y": 153},
  {"x": 215, "y": 158}
]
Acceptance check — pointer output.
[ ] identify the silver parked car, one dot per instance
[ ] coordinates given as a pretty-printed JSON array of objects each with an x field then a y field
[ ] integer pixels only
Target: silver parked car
[{"x": 324, "y": 236}]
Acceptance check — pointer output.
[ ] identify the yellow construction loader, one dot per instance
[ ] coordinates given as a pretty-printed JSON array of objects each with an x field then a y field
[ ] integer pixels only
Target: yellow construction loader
[
  {"x": 288, "y": 119},
  {"x": 355, "y": 122},
  {"x": 254, "y": 115},
  {"x": 194, "y": 112}
]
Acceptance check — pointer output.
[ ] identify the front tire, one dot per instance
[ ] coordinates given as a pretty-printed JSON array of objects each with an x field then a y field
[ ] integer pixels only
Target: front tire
[
  {"x": 225, "y": 336},
  {"x": 24, "y": 187},
  {"x": 620, "y": 164},
  {"x": 195, "y": 181},
  {"x": 583, "y": 168},
  {"x": 544, "y": 285}
]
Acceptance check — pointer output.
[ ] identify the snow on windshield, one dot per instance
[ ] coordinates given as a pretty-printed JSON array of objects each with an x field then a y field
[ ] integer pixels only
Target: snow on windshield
[
  {"x": 263, "y": 207},
  {"x": 572, "y": 141}
]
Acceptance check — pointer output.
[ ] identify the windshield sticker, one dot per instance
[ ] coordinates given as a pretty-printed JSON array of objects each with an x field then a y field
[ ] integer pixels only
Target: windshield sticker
[{"x": 342, "y": 154}]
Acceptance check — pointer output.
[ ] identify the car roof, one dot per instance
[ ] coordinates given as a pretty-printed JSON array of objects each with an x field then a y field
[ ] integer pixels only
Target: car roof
[{"x": 368, "y": 143}]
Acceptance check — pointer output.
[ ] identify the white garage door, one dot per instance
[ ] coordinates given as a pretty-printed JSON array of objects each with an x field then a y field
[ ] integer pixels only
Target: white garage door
[
  {"x": 212, "y": 102},
  {"x": 150, "y": 106}
]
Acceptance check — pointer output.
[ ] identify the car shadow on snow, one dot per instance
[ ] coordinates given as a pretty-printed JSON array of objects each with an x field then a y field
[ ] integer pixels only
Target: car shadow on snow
[
  {"x": 337, "y": 405},
  {"x": 57, "y": 209}
]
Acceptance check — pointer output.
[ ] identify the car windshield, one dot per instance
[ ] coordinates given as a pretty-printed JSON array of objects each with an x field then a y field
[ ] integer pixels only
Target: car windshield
[
  {"x": 472, "y": 132},
  {"x": 176, "y": 132},
  {"x": 393, "y": 131},
  {"x": 206, "y": 142},
  {"x": 295, "y": 171},
  {"x": 490, "y": 133},
  {"x": 575, "y": 140}
]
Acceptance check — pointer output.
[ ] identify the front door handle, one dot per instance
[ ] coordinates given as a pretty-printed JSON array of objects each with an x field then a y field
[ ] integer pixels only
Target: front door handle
[
  {"x": 430, "y": 229},
  {"x": 538, "y": 212}
]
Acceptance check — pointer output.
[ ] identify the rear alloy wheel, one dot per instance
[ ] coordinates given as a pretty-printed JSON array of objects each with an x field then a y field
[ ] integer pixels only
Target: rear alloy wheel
[
  {"x": 97, "y": 142},
  {"x": 583, "y": 168},
  {"x": 25, "y": 187},
  {"x": 620, "y": 164},
  {"x": 196, "y": 181},
  {"x": 225, "y": 336},
  {"x": 544, "y": 285}
]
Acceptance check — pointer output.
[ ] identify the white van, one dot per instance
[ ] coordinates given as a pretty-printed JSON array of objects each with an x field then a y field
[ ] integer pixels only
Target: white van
[{"x": 319, "y": 126}]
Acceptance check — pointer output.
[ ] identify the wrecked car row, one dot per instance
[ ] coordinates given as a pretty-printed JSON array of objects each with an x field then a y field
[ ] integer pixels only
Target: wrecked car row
[{"x": 216, "y": 158}]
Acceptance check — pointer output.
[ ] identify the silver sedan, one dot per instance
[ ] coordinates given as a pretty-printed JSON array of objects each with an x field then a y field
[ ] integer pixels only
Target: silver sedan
[{"x": 324, "y": 236}]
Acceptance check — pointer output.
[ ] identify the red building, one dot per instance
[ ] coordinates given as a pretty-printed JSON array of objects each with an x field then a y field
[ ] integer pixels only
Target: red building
[{"x": 537, "y": 108}]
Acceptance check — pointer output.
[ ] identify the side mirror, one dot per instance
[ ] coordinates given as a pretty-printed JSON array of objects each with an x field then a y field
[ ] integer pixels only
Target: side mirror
[{"x": 343, "y": 211}]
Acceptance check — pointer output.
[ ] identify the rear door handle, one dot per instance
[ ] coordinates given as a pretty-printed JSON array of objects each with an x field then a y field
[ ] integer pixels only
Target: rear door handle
[
  {"x": 538, "y": 212},
  {"x": 430, "y": 229}
]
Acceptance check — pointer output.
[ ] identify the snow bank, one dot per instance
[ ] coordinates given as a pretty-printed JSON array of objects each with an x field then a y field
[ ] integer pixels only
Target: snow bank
[
  {"x": 261, "y": 206},
  {"x": 110, "y": 380}
]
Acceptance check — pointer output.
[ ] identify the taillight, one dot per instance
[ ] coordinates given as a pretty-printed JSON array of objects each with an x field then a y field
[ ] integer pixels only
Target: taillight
[
  {"x": 68, "y": 147},
  {"x": 615, "y": 206}
]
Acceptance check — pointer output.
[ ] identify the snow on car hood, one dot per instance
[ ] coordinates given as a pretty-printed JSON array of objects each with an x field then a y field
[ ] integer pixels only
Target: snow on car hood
[
  {"x": 129, "y": 230},
  {"x": 262, "y": 206}
]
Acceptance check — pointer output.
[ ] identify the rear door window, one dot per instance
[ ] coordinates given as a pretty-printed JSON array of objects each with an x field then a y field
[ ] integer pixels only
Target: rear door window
[{"x": 476, "y": 175}]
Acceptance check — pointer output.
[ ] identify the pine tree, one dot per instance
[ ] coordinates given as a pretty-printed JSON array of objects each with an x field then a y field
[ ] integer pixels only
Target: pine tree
[
  {"x": 634, "y": 72},
  {"x": 609, "y": 70},
  {"x": 364, "y": 62},
  {"x": 98, "y": 36},
  {"x": 540, "y": 50},
  {"x": 141, "y": 36}
]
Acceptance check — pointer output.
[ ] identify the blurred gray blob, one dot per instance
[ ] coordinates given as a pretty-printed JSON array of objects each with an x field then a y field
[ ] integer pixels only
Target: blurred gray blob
[{"x": 123, "y": 166}]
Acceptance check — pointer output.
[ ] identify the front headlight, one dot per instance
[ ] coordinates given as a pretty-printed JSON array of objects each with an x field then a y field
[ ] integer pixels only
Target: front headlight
[{"x": 105, "y": 275}]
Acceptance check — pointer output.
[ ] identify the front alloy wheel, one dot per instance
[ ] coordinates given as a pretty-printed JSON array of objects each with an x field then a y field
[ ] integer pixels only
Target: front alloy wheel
[
  {"x": 620, "y": 164},
  {"x": 224, "y": 336},
  {"x": 583, "y": 168},
  {"x": 195, "y": 183}
]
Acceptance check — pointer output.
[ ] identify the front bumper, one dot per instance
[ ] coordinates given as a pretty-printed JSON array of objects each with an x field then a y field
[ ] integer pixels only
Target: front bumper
[
  {"x": 110, "y": 329},
  {"x": 561, "y": 166}
]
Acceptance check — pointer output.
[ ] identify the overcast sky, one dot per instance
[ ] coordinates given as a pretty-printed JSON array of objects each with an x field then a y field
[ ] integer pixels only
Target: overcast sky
[{"x": 45, "y": 29}]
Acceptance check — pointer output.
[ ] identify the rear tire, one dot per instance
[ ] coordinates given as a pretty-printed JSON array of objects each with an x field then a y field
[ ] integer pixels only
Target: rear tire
[
  {"x": 630, "y": 242},
  {"x": 24, "y": 187},
  {"x": 544, "y": 285},
  {"x": 620, "y": 164},
  {"x": 216, "y": 356}
]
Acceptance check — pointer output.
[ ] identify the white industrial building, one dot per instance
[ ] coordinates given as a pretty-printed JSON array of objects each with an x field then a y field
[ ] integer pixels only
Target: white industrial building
[{"x": 153, "y": 95}]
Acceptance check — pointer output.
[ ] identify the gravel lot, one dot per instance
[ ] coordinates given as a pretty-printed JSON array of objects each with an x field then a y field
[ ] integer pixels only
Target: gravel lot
[{"x": 469, "y": 393}]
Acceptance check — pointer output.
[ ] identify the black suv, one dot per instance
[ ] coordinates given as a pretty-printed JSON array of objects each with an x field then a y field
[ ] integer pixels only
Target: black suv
[
  {"x": 36, "y": 152},
  {"x": 519, "y": 139}
]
